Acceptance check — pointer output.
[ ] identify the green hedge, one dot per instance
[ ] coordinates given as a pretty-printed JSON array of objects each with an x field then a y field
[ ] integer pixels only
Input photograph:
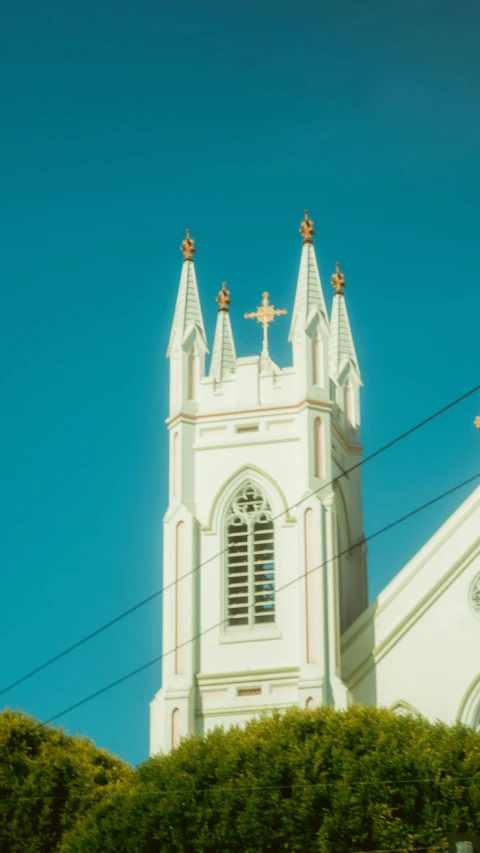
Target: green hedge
[
  {"x": 364, "y": 779},
  {"x": 47, "y": 782}
]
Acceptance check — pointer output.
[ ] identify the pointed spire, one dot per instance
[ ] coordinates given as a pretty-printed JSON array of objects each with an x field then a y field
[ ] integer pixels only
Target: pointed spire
[
  {"x": 309, "y": 295},
  {"x": 223, "y": 353},
  {"x": 342, "y": 348},
  {"x": 188, "y": 313}
]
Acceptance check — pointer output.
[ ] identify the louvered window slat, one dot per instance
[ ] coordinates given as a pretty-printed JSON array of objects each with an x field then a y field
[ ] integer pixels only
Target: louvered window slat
[{"x": 250, "y": 560}]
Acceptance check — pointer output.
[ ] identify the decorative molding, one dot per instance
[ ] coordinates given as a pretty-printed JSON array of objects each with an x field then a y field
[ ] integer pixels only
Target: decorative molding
[
  {"x": 404, "y": 709},
  {"x": 228, "y": 489},
  {"x": 425, "y": 603},
  {"x": 256, "y": 634},
  {"x": 469, "y": 710},
  {"x": 251, "y": 440},
  {"x": 319, "y": 404},
  {"x": 433, "y": 546},
  {"x": 474, "y": 596},
  {"x": 352, "y": 448},
  {"x": 250, "y": 710},
  {"x": 229, "y": 678}
]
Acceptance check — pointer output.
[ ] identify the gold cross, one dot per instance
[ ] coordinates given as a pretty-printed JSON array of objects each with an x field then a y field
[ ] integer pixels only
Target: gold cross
[
  {"x": 306, "y": 229},
  {"x": 338, "y": 280},
  {"x": 265, "y": 314},
  {"x": 477, "y": 422},
  {"x": 223, "y": 298},
  {"x": 187, "y": 247}
]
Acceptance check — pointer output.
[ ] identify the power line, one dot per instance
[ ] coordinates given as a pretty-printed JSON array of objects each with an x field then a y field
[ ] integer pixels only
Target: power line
[
  {"x": 164, "y": 588},
  {"x": 279, "y": 589}
]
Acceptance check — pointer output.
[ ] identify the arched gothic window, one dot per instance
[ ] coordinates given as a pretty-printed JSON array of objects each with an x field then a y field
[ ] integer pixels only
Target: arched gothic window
[{"x": 250, "y": 560}]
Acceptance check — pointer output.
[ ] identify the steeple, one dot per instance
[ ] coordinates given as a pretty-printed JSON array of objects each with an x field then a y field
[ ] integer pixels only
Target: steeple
[
  {"x": 188, "y": 313},
  {"x": 246, "y": 442},
  {"x": 223, "y": 353},
  {"x": 309, "y": 295},
  {"x": 342, "y": 349}
]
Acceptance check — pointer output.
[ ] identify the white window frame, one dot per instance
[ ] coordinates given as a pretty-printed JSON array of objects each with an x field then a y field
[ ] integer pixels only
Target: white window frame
[{"x": 265, "y": 513}]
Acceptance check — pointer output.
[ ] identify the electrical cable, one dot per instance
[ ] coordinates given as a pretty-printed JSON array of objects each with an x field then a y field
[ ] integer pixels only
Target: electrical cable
[
  {"x": 279, "y": 589},
  {"x": 164, "y": 588}
]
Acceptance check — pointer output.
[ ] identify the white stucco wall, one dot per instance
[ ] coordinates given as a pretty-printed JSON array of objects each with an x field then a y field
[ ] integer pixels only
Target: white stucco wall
[
  {"x": 416, "y": 649},
  {"x": 252, "y": 421},
  {"x": 418, "y": 645},
  {"x": 276, "y": 454}
]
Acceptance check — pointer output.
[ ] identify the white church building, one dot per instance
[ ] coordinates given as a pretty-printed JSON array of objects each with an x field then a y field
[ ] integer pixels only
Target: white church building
[{"x": 264, "y": 571}]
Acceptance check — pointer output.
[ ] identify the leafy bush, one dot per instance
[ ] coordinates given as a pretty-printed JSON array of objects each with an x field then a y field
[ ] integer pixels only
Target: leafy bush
[
  {"x": 47, "y": 781},
  {"x": 363, "y": 779}
]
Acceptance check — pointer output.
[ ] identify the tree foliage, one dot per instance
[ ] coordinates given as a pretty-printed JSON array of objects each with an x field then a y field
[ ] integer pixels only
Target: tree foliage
[
  {"x": 363, "y": 779},
  {"x": 47, "y": 781}
]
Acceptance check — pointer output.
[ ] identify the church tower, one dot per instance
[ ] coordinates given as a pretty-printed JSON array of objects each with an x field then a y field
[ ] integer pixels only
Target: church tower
[{"x": 261, "y": 574}]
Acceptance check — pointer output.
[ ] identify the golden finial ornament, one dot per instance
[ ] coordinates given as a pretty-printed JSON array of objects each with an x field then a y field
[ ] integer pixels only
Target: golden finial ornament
[
  {"x": 265, "y": 314},
  {"x": 223, "y": 298},
  {"x": 338, "y": 281},
  {"x": 477, "y": 422},
  {"x": 187, "y": 247},
  {"x": 306, "y": 230}
]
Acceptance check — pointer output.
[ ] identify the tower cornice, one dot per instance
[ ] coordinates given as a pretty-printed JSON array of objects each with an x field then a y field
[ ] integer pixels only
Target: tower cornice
[{"x": 296, "y": 407}]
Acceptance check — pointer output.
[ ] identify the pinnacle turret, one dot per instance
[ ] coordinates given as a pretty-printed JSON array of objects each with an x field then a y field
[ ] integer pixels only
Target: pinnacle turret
[
  {"x": 342, "y": 349},
  {"x": 309, "y": 294},
  {"x": 223, "y": 353},
  {"x": 188, "y": 313}
]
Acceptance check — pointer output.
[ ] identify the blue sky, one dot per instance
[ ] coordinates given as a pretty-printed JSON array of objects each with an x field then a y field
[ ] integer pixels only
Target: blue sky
[{"x": 122, "y": 124}]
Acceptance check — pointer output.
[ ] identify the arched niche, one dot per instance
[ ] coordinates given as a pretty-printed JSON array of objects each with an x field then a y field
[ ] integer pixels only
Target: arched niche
[
  {"x": 310, "y": 549},
  {"x": 319, "y": 448},
  {"x": 180, "y": 592}
]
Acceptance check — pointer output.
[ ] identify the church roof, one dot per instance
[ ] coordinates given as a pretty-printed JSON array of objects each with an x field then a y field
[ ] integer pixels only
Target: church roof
[
  {"x": 223, "y": 353},
  {"x": 188, "y": 313},
  {"x": 416, "y": 587},
  {"x": 309, "y": 294},
  {"x": 341, "y": 347}
]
